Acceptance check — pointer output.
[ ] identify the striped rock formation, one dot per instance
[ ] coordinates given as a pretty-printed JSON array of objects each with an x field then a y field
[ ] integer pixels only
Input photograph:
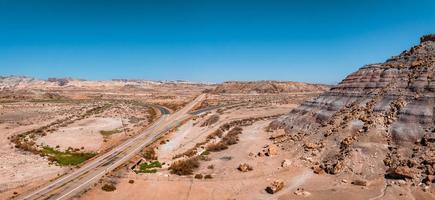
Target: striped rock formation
[{"x": 390, "y": 104}]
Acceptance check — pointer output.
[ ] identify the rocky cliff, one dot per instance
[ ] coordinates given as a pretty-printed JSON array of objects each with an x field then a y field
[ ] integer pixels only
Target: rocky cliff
[{"x": 386, "y": 107}]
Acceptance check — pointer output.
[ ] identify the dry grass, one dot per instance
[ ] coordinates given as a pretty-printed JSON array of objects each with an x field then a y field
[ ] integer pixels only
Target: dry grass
[
  {"x": 184, "y": 167},
  {"x": 108, "y": 187},
  {"x": 150, "y": 154},
  {"x": 211, "y": 120},
  {"x": 189, "y": 153},
  {"x": 198, "y": 176},
  {"x": 217, "y": 133},
  {"x": 208, "y": 176},
  {"x": 217, "y": 147},
  {"x": 232, "y": 137}
]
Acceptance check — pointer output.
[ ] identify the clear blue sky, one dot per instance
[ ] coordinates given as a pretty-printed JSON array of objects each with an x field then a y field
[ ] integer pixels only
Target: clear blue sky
[{"x": 312, "y": 41}]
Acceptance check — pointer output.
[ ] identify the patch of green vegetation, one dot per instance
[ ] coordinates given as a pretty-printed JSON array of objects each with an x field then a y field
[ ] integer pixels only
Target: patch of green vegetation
[
  {"x": 149, "y": 167},
  {"x": 67, "y": 157},
  {"x": 204, "y": 153},
  {"x": 108, "y": 133}
]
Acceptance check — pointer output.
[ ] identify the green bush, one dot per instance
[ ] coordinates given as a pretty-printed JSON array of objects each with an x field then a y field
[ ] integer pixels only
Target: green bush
[
  {"x": 67, "y": 157},
  {"x": 149, "y": 167}
]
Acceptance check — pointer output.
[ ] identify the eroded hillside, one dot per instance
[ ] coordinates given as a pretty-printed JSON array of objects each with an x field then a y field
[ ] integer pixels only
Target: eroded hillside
[{"x": 378, "y": 123}]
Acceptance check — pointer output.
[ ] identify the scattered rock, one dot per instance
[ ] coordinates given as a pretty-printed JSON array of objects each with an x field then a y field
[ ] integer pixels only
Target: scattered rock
[
  {"x": 359, "y": 182},
  {"x": 272, "y": 150},
  {"x": 400, "y": 172},
  {"x": 276, "y": 186},
  {"x": 278, "y": 134},
  {"x": 429, "y": 179},
  {"x": 401, "y": 182},
  {"x": 311, "y": 145},
  {"x": 245, "y": 167},
  {"x": 309, "y": 159},
  {"x": 317, "y": 170},
  {"x": 286, "y": 163},
  {"x": 301, "y": 192}
]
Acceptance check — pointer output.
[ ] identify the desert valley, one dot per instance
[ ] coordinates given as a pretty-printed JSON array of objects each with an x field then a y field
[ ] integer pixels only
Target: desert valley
[{"x": 372, "y": 136}]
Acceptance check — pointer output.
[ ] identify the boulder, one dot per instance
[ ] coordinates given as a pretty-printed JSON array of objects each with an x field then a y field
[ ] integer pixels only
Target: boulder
[
  {"x": 400, "y": 172},
  {"x": 272, "y": 150},
  {"x": 275, "y": 186},
  {"x": 286, "y": 163},
  {"x": 245, "y": 167}
]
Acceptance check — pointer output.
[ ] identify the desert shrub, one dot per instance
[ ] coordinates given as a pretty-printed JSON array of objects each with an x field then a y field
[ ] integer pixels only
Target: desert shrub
[
  {"x": 152, "y": 114},
  {"x": 210, "y": 167},
  {"x": 217, "y": 133},
  {"x": 211, "y": 120},
  {"x": 200, "y": 144},
  {"x": 108, "y": 133},
  {"x": 226, "y": 158},
  {"x": 208, "y": 176},
  {"x": 198, "y": 176},
  {"x": 184, "y": 167},
  {"x": 205, "y": 153},
  {"x": 204, "y": 158},
  {"x": 225, "y": 127},
  {"x": 149, "y": 167},
  {"x": 150, "y": 154},
  {"x": 189, "y": 153},
  {"x": 217, "y": 147},
  {"x": 108, "y": 187},
  {"x": 230, "y": 139},
  {"x": 131, "y": 181}
]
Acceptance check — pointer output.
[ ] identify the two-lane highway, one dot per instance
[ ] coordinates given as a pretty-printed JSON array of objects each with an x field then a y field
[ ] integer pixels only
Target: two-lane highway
[{"x": 76, "y": 182}]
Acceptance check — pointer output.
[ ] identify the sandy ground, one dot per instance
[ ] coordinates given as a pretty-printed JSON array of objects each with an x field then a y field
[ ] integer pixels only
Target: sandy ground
[
  {"x": 82, "y": 130},
  {"x": 227, "y": 181},
  {"x": 191, "y": 132},
  {"x": 20, "y": 168}
]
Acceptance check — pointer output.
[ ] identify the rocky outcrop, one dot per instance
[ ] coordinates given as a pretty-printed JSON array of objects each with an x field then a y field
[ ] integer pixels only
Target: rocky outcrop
[
  {"x": 260, "y": 87},
  {"x": 244, "y": 167},
  {"x": 394, "y": 100},
  {"x": 430, "y": 37},
  {"x": 408, "y": 77},
  {"x": 275, "y": 186}
]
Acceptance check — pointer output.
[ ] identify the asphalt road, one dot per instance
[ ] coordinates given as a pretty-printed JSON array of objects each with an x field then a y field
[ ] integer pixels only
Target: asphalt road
[{"x": 69, "y": 185}]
